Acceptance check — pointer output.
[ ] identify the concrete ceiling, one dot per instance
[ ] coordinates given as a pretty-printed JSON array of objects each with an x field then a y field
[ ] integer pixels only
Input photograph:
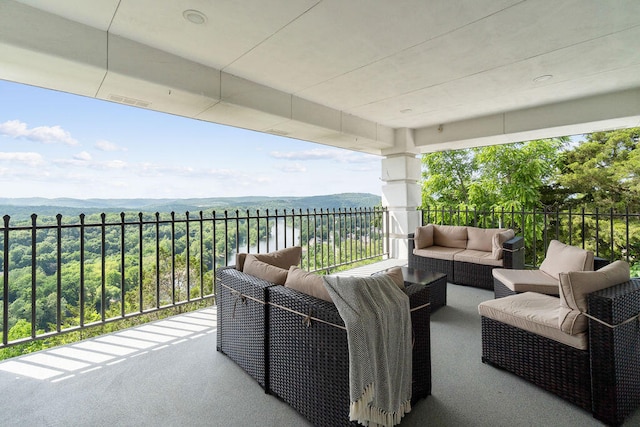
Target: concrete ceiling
[{"x": 354, "y": 74}]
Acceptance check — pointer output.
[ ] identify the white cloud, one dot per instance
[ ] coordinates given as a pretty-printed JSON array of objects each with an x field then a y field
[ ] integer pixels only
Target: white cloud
[
  {"x": 103, "y": 145},
  {"x": 45, "y": 134},
  {"x": 294, "y": 168},
  {"x": 28, "y": 158},
  {"x": 115, "y": 164},
  {"x": 325, "y": 154},
  {"x": 83, "y": 155},
  {"x": 315, "y": 154}
]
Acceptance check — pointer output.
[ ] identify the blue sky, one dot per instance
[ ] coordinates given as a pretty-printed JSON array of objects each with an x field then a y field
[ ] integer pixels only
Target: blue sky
[{"x": 54, "y": 144}]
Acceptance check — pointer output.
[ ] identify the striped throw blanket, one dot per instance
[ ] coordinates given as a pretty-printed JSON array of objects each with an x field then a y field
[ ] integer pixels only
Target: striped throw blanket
[{"x": 378, "y": 320}]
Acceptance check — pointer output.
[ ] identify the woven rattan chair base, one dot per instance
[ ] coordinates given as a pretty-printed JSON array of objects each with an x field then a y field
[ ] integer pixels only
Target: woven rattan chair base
[{"x": 556, "y": 367}]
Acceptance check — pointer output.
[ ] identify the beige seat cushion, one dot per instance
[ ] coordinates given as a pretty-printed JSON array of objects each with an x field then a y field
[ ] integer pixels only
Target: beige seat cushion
[
  {"x": 423, "y": 237},
  {"x": 563, "y": 258},
  {"x": 477, "y": 257},
  {"x": 438, "y": 252},
  {"x": 264, "y": 271},
  {"x": 450, "y": 236},
  {"x": 527, "y": 281},
  {"x": 532, "y": 312},
  {"x": 575, "y": 286}
]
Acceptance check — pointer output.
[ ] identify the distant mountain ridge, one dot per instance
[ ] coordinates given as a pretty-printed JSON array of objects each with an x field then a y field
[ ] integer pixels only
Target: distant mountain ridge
[{"x": 70, "y": 206}]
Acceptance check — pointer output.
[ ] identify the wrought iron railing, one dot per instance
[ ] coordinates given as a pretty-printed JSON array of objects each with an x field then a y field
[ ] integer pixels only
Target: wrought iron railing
[
  {"x": 66, "y": 274},
  {"x": 609, "y": 234}
]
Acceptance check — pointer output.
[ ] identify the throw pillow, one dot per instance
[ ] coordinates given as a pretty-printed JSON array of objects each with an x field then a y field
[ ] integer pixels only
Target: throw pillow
[
  {"x": 240, "y": 258},
  {"x": 264, "y": 271},
  {"x": 450, "y": 236},
  {"x": 283, "y": 258},
  {"x": 563, "y": 258},
  {"x": 481, "y": 239},
  {"x": 575, "y": 286},
  {"x": 498, "y": 240},
  {"x": 307, "y": 283},
  {"x": 395, "y": 273},
  {"x": 423, "y": 236}
]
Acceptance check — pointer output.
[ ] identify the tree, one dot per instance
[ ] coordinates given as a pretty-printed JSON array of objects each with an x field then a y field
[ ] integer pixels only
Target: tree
[
  {"x": 500, "y": 176},
  {"x": 447, "y": 176},
  {"x": 604, "y": 170}
]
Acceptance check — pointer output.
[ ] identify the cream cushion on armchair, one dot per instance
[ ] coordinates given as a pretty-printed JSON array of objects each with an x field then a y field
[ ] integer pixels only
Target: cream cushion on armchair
[
  {"x": 576, "y": 285},
  {"x": 560, "y": 258}
]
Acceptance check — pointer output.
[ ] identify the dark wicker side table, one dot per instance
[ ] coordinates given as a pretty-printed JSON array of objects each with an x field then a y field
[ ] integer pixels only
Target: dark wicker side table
[{"x": 437, "y": 283}]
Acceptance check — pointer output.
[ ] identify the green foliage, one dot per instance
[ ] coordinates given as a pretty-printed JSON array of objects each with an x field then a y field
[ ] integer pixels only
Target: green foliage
[
  {"x": 603, "y": 171},
  {"x": 500, "y": 176}
]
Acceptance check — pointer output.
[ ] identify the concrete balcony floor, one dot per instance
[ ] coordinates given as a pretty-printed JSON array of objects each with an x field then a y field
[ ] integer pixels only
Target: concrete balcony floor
[{"x": 168, "y": 373}]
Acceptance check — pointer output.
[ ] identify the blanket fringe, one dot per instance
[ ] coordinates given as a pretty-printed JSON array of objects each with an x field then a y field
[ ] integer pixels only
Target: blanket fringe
[{"x": 367, "y": 415}]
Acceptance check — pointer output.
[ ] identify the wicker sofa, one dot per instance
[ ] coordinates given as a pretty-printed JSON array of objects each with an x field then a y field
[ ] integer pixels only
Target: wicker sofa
[
  {"x": 592, "y": 359},
  {"x": 467, "y": 255},
  {"x": 292, "y": 343}
]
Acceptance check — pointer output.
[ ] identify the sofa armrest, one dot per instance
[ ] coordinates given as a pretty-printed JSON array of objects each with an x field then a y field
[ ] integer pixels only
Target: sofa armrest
[
  {"x": 513, "y": 253},
  {"x": 412, "y": 242}
]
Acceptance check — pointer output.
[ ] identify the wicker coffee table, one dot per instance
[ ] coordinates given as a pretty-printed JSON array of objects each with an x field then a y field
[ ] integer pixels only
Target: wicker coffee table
[{"x": 437, "y": 283}]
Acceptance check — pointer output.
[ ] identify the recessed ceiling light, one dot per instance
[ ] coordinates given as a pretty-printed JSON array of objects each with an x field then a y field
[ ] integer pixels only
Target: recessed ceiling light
[
  {"x": 542, "y": 78},
  {"x": 195, "y": 16},
  {"x": 406, "y": 110}
]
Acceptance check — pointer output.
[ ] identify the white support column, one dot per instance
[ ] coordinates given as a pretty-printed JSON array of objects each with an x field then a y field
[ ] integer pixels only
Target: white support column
[{"x": 401, "y": 192}]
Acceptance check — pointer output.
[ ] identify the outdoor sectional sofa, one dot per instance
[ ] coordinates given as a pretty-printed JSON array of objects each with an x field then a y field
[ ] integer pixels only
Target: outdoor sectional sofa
[
  {"x": 467, "y": 255},
  {"x": 293, "y": 343}
]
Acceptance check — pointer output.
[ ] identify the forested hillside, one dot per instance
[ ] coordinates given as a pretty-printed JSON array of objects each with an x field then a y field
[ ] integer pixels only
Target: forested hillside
[{"x": 23, "y": 208}]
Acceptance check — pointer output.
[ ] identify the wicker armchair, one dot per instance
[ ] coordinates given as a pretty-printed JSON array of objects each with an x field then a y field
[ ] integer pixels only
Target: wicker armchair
[{"x": 603, "y": 378}]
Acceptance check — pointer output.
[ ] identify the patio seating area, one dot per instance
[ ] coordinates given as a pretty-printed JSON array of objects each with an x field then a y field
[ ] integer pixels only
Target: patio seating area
[{"x": 169, "y": 373}]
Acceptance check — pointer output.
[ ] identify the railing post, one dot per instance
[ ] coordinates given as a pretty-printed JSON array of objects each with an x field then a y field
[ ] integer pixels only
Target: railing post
[
  {"x": 82, "y": 255},
  {"x": 157, "y": 260},
  {"x": 5, "y": 285},
  {"x": 34, "y": 262},
  {"x": 173, "y": 257},
  {"x": 123, "y": 293},
  {"x": 140, "y": 261},
  {"x": 188, "y": 260},
  {"x": 103, "y": 278},
  {"x": 226, "y": 239},
  {"x": 58, "y": 274},
  {"x": 611, "y": 233},
  {"x": 202, "y": 254},
  {"x": 597, "y": 232},
  {"x": 570, "y": 228},
  {"x": 627, "y": 231}
]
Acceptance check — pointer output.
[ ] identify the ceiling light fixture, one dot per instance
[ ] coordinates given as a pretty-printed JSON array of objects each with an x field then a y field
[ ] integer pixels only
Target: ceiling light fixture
[
  {"x": 195, "y": 16},
  {"x": 406, "y": 110},
  {"x": 542, "y": 78}
]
